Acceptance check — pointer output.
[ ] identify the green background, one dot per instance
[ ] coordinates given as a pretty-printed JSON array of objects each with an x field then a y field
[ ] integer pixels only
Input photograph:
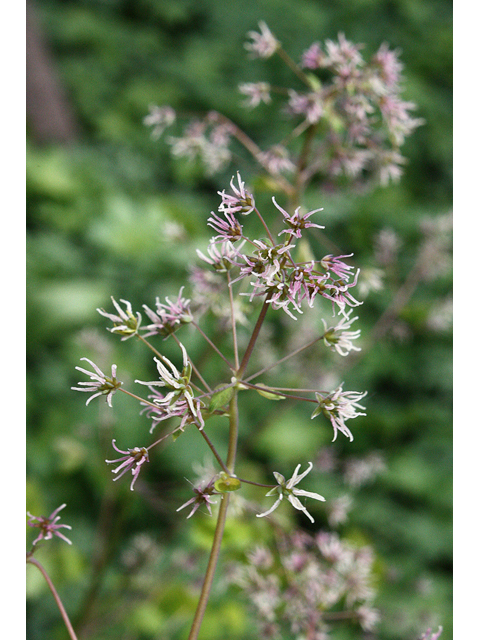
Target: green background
[{"x": 96, "y": 211}]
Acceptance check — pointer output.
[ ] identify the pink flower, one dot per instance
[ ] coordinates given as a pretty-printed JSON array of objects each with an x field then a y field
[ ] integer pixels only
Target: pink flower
[
  {"x": 297, "y": 222},
  {"x": 227, "y": 229},
  {"x": 164, "y": 409},
  {"x": 241, "y": 202},
  {"x": 313, "y": 57},
  {"x": 338, "y": 292},
  {"x": 132, "y": 459},
  {"x": 276, "y": 160},
  {"x": 168, "y": 317},
  {"x": 159, "y": 118},
  {"x": 389, "y": 65},
  {"x": 343, "y": 56},
  {"x": 342, "y": 270},
  {"x": 223, "y": 259},
  {"x": 48, "y": 526},
  {"x": 203, "y": 496},
  {"x": 429, "y": 635},
  {"x": 264, "y": 43},
  {"x": 310, "y": 105},
  {"x": 256, "y": 93},
  {"x": 179, "y": 387},
  {"x": 102, "y": 385}
]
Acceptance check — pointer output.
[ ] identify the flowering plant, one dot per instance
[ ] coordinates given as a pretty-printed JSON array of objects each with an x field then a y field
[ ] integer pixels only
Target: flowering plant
[{"x": 348, "y": 123}]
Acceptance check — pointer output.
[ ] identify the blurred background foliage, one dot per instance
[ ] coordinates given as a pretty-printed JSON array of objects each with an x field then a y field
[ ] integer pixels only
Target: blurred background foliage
[{"x": 110, "y": 213}]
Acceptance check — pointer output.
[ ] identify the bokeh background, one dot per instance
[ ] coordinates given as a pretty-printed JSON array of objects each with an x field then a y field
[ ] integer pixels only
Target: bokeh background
[{"x": 108, "y": 209}]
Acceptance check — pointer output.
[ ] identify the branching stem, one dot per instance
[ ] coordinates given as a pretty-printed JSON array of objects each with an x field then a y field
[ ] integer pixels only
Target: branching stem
[{"x": 60, "y": 606}]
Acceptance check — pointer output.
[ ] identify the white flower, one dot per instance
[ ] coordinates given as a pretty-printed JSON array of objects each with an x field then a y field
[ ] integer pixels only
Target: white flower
[
  {"x": 264, "y": 43},
  {"x": 222, "y": 260},
  {"x": 338, "y": 338},
  {"x": 285, "y": 488},
  {"x": 101, "y": 384},
  {"x": 125, "y": 323},
  {"x": 178, "y": 383},
  {"x": 339, "y": 406}
]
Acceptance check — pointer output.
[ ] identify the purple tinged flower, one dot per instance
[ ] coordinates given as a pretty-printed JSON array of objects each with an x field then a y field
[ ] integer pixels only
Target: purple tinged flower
[
  {"x": 342, "y": 270},
  {"x": 297, "y": 222},
  {"x": 339, "y": 406},
  {"x": 286, "y": 488},
  {"x": 48, "y": 526},
  {"x": 241, "y": 202},
  {"x": 389, "y": 166},
  {"x": 125, "y": 323},
  {"x": 276, "y": 160},
  {"x": 313, "y": 57},
  {"x": 221, "y": 259},
  {"x": 227, "y": 229},
  {"x": 101, "y": 384},
  {"x": 429, "y": 635},
  {"x": 211, "y": 149},
  {"x": 360, "y": 471},
  {"x": 310, "y": 105},
  {"x": 159, "y": 118},
  {"x": 178, "y": 384},
  {"x": 389, "y": 66},
  {"x": 338, "y": 338},
  {"x": 368, "y": 617},
  {"x": 132, "y": 459},
  {"x": 264, "y": 44},
  {"x": 343, "y": 56},
  {"x": 396, "y": 115},
  {"x": 256, "y": 93},
  {"x": 165, "y": 408},
  {"x": 203, "y": 496},
  {"x": 338, "y": 292},
  {"x": 168, "y": 317}
]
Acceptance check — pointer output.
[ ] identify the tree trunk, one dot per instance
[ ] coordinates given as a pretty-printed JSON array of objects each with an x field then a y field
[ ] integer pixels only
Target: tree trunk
[{"x": 49, "y": 115}]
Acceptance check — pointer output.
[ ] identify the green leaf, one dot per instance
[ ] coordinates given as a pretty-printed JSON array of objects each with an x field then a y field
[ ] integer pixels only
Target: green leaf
[
  {"x": 220, "y": 398},
  {"x": 268, "y": 394}
]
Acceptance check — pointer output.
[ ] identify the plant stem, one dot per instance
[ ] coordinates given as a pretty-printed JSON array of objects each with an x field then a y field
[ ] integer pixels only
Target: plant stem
[
  {"x": 234, "y": 324},
  {"x": 214, "y": 451},
  {"x": 221, "y": 519},
  {"x": 65, "y": 617},
  {"x": 253, "y": 339},
  {"x": 212, "y": 563}
]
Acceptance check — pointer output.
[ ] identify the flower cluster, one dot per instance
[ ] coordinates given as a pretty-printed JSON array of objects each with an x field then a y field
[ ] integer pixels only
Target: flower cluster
[
  {"x": 319, "y": 574},
  {"x": 207, "y": 140},
  {"x": 357, "y": 101},
  {"x": 271, "y": 271},
  {"x": 270, "y": 267}
]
